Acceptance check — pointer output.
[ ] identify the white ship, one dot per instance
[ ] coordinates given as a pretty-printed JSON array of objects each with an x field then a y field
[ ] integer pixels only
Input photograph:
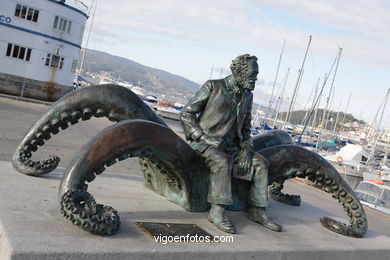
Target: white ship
[
  {"x": 40, "y": 43},
  {"x": 350, "y": 162},
  {"x": 375, "y": 195}
]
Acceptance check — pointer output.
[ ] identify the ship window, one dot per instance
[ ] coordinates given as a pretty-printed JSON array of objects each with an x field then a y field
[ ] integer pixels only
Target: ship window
[
  {"x": 9, "y": 48},
  {"x": 54, "y": 61},
  {"x": 69, "y": 26},
  {"x": 62, "y": 24},
  {"x": 47, "y": 62},
  {"x": 55, "y": 22},
  {"x": 26, "y": 12},
  {"x": 30, "y": 14},
  {"x": 35, "y": 17},
  {"x": 18, "y": 52},
  {"x": 74, "y": 66},
  {"x": 18, "y": 10},
  {"x": 81, "y": 32},
  {"x": 28, "y": 55},
  {"x": 61, "y": 63},
  {"x": 22, "y": 52},
  {"x": 15, "y": 53}
]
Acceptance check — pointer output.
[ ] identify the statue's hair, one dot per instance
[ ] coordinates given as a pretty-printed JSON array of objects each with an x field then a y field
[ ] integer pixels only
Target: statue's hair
[{"x": 239, "y": 65}]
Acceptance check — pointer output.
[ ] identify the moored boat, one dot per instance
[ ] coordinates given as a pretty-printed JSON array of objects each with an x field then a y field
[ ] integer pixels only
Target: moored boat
[
  {"x": 375, "y": 195},
  {"x": 350, "y": 163}
]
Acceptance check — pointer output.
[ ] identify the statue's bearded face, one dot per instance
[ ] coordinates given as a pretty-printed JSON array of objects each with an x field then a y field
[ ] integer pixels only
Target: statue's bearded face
[
  {"x": 245, "y": 70},
  {"x": 250, "y": 76}
]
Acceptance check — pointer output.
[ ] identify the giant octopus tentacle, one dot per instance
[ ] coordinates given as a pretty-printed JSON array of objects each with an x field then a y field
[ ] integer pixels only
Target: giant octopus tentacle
[
  {"x": 271, "y": 138},
  {"x": 115, "y": 102},
  {"x": 268, "y": 139},
  {"x": 172, "y": 156},
  {"x": 289, "y": 161}
]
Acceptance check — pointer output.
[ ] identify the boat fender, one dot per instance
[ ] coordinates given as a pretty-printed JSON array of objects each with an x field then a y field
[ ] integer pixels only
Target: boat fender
[
  {"x": 377, "y": 182},
  {"x": 339, "y": 159}
]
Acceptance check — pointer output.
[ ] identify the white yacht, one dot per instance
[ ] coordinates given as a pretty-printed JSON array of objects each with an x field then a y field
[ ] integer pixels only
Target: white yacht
[
  {"x": 350, "y": 163},
  {"x": 375, "y": 195},
  {"x": 40, "y": 43}
]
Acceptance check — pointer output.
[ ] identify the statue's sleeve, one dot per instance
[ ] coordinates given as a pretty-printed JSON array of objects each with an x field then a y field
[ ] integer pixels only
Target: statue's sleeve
[
  {"x": 246, "y": 127},
  {"x": 191, "y": 111}
]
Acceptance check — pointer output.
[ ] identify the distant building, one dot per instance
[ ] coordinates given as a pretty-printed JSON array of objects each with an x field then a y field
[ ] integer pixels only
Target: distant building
[{"x": 40, "y": 43}]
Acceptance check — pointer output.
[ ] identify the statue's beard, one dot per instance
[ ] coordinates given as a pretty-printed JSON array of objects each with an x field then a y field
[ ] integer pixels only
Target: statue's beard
[
  {"x": 248, "y": 85},
  {"x": 244, "y": 84}
]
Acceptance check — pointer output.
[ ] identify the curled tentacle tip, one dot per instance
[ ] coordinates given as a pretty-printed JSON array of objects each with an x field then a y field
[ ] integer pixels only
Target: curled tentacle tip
[
  {"x": 81, "y": 209},
  {"x": 342, "y": 228},
  {"x": 29, "y": 167}
]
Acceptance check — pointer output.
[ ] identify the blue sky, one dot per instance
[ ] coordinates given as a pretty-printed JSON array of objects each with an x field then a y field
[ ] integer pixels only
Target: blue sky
[{"x": 188, "y": 37}]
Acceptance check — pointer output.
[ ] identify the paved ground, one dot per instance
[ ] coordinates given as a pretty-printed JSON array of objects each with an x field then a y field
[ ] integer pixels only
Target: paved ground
[
  {"x": 16, "y": 118},
  {"x": 33, "y": 213},
  {"x": 32, "y": 228}
]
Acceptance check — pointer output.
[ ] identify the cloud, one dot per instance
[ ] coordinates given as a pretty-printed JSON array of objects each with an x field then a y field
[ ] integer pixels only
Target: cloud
[
  {"x": 215, "y": 31},
  {"x": 358, "y": 26},
  {"x": 366, "y": 17}
]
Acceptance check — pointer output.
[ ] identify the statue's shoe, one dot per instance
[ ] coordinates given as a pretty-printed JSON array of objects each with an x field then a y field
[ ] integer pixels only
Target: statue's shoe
[
  {"x": 220, "y": 220},
  {"x": 259, "y": 215},
  {"x": 292, "y": 200}
]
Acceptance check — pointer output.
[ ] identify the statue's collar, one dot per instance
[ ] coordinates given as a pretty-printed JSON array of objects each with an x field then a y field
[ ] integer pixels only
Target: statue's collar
[{"x": 232, "y": 84}]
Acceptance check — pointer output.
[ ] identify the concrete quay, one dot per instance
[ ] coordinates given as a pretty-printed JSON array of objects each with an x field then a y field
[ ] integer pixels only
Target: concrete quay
[{"x": 31, "y": 226}]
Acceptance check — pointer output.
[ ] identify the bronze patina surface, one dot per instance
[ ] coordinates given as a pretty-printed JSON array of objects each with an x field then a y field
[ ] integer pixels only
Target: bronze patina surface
[
  {"x": 217, "y": 122},
  {"x": 171, "y": 166}
]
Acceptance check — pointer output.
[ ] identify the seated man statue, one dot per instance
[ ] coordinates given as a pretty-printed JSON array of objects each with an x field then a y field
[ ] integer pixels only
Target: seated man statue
[{"x": 217, "y": 122}]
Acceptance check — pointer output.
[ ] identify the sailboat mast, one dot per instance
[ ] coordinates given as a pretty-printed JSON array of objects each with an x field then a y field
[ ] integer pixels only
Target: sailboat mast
[
  {"x": 330, "y": 108},
  {"x": 313, "y": 124},
  {"x": 276, "y": 77},
  {"x": 319, "y": 96},
  {"x": 346, "y": 109},
  {"x": 330, "y": 92},
  {"x": 295, "y": 98},
  {"x": 297, "y": 83},
  {"x": 383, "y": 110},
  {"x": 89, "y": 34},
  {"x": 211, "y": 71},
  {"x": 379, "y": 125},
  {"x": 220, "y": 73},
  {"x": 337, "y": 120},
  {"x": 282, "y": 95}
]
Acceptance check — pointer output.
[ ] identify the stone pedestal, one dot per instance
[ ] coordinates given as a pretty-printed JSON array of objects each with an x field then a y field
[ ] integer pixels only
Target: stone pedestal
[{"x": 31, "y": 226}]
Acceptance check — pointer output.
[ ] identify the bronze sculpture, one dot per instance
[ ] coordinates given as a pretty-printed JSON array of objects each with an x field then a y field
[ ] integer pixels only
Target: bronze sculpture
[
  {"x": 171, "y": 167},
  {"x": 217, "y": 121}
]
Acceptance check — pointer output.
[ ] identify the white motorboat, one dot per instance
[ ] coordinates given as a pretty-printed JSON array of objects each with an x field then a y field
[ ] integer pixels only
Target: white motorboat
[
  {"x": 375, "y": 195},
  {"x": 350, "y": 163}
]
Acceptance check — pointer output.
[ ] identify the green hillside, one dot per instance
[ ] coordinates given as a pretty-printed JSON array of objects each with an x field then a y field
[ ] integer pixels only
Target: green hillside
[
  {"x": 151, "y": 79},
  {"x": 296, "y": 117}
]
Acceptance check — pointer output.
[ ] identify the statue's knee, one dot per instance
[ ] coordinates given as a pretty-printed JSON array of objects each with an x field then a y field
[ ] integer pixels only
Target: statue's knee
[
  {"x": 219, "y": 161},
  {"x": 214, "y": 166},
  {"x": 260, "y": 162}
]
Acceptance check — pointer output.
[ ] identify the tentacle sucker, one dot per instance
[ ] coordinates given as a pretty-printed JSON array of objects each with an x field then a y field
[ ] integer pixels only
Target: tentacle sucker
[
  {"x": 324, "y": 176},
  {"x": 114, "y": 102},
  {"x": 158, "y": 146}
]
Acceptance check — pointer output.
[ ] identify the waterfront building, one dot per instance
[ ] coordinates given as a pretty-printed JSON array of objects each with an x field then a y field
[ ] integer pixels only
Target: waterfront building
[{"x": 40, "y": 43}]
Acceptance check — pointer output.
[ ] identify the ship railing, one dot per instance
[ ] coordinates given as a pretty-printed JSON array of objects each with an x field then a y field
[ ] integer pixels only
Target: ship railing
[{"x": 75, "y": 4}]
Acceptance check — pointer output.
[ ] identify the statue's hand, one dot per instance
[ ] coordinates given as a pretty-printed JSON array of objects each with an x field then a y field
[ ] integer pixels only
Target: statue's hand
[
  {"x": 210, "y": 140},
  {"x": 244, "y": 161}
]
